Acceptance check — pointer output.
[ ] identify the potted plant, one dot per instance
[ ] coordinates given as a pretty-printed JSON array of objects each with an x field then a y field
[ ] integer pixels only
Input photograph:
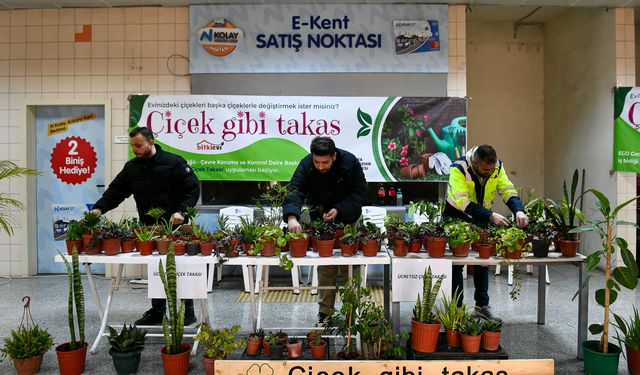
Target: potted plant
[
  {"x": 74, "y": 236},
  {"x": 144, "y": 241},
  {"x": 471, "y": 335},
  {"x": 298, "y": 243},
  {"x": 401, "y": 238},
  {"x": 270, "y": 238},
  {"x": 491, "y": 331},
  {"x": 206, "y": 240},
  {"x": 433, "y": 233},
  {"x": 349, "y": 241},
  {"x": 511, "y": 242},
  {"x": 218, "y": 344},
  {"x": 110, "y": 236},
  {"x": 325, "y": 232},
  {"x": 345, "y": 319},
  {"x": 452, "y": 318},
  {"x": 294, "y": 348},
  {"x": 126, "y": 348},
  {"x": 461, "y": 234},
  {"x": 541, "y": 233},
  {"x": 27, "y": 344},
  {"x": 276, "y": 347},
  {"x": 71, "y": 355},
  {"x": 89, "y": 223},
  {"x": 165, "y": 237},
  {"x": 425, "y": 329},
  {"x": 486, "y": 245},
  {"x": 128, "y": 237},
  {"x": 9, "y": 169},
  {"x": 254, "y": 343},
  {"x": 600, "y": 356},
  {"x": 250, "y": 232},
  {"x": 392, "y": 224},
  {"x": 175, "y": 354},
  {"x": 630, "y": 331},
  {"x": 415, "y": 239},
  {"x": 371, "y": 238},
  {"x": 373, "y": 328},
  {"x": 393, "y": 345},
  {"x": 563, "y": 214},
  {"x": 318, "y": 347}
]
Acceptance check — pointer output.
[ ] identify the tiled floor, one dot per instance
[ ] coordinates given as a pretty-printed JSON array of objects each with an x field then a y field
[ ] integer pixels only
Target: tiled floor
[{"x": 522, "y": 337}]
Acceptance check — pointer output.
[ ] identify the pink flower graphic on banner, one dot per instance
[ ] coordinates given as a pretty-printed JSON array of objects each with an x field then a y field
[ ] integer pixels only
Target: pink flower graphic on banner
[
  {"x": 262, "y": 114},
  {"x": 419, "y": 133},
  {"x": 426, "y": 118},
  {"x": 404, "y": 151},
  {"x": 392, "y": 146},
  {"x": 167, "y": 114},
  {"x": 411, "y": 111},
  {"x": 240, "y": 114},
  {"x": 404, "y": 161}
]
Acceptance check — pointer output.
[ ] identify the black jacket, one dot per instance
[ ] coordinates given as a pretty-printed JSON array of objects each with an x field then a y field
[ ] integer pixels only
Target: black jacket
[
  {"x": 165, "y": 180},
  {"x": 343, "y": 188}
]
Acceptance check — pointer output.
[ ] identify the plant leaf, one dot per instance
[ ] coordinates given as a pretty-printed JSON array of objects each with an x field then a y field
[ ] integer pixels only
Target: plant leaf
[
  {"x": 626, "y": 277},
  {"x": 596, "y": 329},
  {"x": 364, "y": 118},
  {"x": 605, "y": 206},
  {"x": 621, "y": 206},
  {"x": 363, "y": 132}
]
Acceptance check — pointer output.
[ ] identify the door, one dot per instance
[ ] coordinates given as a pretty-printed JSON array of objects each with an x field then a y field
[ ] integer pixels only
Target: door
[{"x": 70, "y": 155}]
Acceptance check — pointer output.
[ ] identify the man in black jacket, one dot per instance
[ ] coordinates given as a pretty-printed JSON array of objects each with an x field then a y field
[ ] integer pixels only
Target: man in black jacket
[
  {"x": 333, "y": 184},
  {"x": 156, "y": 178}
]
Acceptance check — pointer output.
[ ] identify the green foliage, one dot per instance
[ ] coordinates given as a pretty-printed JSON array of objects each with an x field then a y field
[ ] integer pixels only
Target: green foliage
[
  {"x": 172, "y": 335},
  {"x": 324, "y": 230},
  {"x": 350, "y": 236},
  {"x": 492, "y": 325},
  {"x": 192, "y": 212},
  {"x": 424, "y": 312},
  {"x": 472, "y": 327},
  {"x": 450, "y": 315},
  {"x": 615, "y": 276},
  {"x": 370, "y": 231},
  {"x": 250, "y": 231},
  {"x": 393, "y": 222},
  {"x": 222, "y": 222},
  {"x": 345, "y": 319},
  {"x": 27, "y": 341},
  {"x": 89, "y": 221},
  {"x": 74, "y": 231},
  {"x": 274, "y": 199},
  {"x": 130, "y": 339},
  {"x": 145, "y": 233},
  {"x": 295, "y": 236},
  {"x": 156, "y": 213},
  {"x": 9, "y": 169},
  {"x": 630, "y": 330},
  {"x": 109, "y": 229},
  {"x": 461, "y": 232},
  {"x": 75, "y": 297},
  {"x": 564, "y": 212},
  {"x": 510, "y": 239},
  {"x": 218, "y": 343}
]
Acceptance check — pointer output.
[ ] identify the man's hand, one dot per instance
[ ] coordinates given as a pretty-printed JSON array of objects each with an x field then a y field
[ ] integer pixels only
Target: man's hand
[
  {"x": 96, "y": 212},
  {"x": 331, "y": 215},
  {"x": 177, "y": 218},
  {"x": 293, "y": 226},
  {"x": 499, "y": 220},
  {"x": 521, "y": 219}
]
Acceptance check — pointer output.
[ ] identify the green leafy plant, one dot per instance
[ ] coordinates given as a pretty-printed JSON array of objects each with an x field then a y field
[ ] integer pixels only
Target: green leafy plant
[
  {"x": 370, "y": 231},
  {"x": 295, "y": 235},
  {"x": 325, "y": 230},
  {"x": 144, "y": 233},
  {"x": 372, "y": 326},
  {"x": 75, "y": 298},
  {"x": 472, "y": 327},
  {"x": 109, "y": 229},
  {"x": 392, "y": 223},
  {"x": 423, "y": 312},
  {"x": 130, "y": 339},
  {"x": 156, "y": 213},
  {"x": 89, "y": 222},
  {"x": 219, "y": 343},
  {"x": 250, "y": 231},
  {"x": 8, "y": 170},
  {"x": 29, "y": 340},
  {"x": 492, "y": 325},
  {"x": 461, "y": 232},
  {"x": 192, "y": 212},
  {"x": 274, "y": 199},
  {"x": 350, "y": 236},
  {"x": 510, "y": 239},
  {"x": 74, "y": 231},
  {"x": 345, "y": 319},
  {"x": 450, "y": 315},
  {"x": 614, "y": 276},
  {"x": 630, "y": 330},
  {"x": 564, "y": 212},
  {"x": 172, "y": 335}
]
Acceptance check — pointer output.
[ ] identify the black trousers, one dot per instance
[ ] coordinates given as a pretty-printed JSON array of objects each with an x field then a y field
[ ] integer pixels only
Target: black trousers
[{"x": 160, "y": 305}]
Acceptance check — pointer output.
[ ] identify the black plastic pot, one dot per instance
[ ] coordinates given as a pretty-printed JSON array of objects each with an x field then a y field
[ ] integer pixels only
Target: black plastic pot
[
  {"x": 276, "y": 351},
  {"x": 540, "y": 248},
  {"x": 126, "y": 363},
  {"x": 193, "y": 249}
]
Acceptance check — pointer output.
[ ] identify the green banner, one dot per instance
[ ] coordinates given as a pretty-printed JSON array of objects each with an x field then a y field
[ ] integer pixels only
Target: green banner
[{"x": 626, "y": 125}]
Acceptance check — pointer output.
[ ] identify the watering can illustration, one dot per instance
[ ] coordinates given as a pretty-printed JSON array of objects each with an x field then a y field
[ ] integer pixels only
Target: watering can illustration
[{"x": 453, "y": 138}]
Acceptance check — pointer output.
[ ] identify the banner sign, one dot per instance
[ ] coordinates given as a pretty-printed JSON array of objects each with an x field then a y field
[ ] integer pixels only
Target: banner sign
[
  {"x": 62, "y": 215},
  {"x": 407, "y": 275},
  {"x": 626, "y": 130},
  {"x": 263, "y": 138},
  {"x": 430, "y": 367},
  {"x": 191, "y": 278},
  {"x": 286, "y": 38}
]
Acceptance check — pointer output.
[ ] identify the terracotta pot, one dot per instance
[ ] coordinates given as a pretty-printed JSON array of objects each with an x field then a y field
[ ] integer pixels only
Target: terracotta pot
[
  {"x": 269, "y": 249},
  {"x": 568, "y": 248},
  {"x": 461, "y": 250},
  {"x": 209, "y": 365},
  {"x": 253, "y": 347},
  {"x": 339, "y": 234},
  {"x": 484, "y": 250},
  {"x": 163, "y": 246},
  {"x": 436, "y": 246},
  {"x": 401, "y": 249},
  {"x": 144, "y": 247},
  {"x": 206, "y": 248},
  {"x": 471, "y": 344},
  {"x": 453, "y": 338},
  {"x": 490, "y": 341},
  {"x": 298, "y": 247},
  {"x": 348, "y": 250},
  {"x": 111, "y": 246},
  {"x": 424, "y": 336},
  {"x": 71, "y": 362},
  {"x": 425, "y": 160},
  {"x": 319, "y": 351},
  {"x": 28, "y": 366},
  {"x": 313, "y": 240},
  {"x": 325, "y": 247},
  {"x": 295, "y": 350},
  {"x": 247, "y": 247},
  {"x": 371, "y": 248},
  {"x": 415, "y": 246},
  {"x": 412, "y": 171},
  {"x": 179, "y": 248},
  {"x": 347, "y": 356},
  {"x": 86, "y": 241},
  {"x": 267, "y": 348},
  {"x": 176, "y": 364},
  {"x": 128, "y": 245},
  {"x": 513, "y": 254},
  {"x": 74, "y": 243},
  {"x": 633, "y": 361}
]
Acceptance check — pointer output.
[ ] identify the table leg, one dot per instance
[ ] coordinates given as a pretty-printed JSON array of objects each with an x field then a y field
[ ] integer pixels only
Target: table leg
[
  {"x": 542, "y": 293},
  {"x": 385, "y": 291},
  {"x": 92, "y": 284},
  {"x": 105, "y": 315},
  {"x": 204, "y": 317},
  {"x": 260, "y": 295},
  {"x": 583, "y": 308},
  {"x": 395, "y": 317},
  {"x": 252, "y": 298}
]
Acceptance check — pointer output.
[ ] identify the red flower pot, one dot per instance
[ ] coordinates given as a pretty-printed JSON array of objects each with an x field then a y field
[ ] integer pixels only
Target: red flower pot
[
  {"x": 253, "y": 347},
  {"x": 453, "y": 338},
  {"x": 461, "y": 250},
  {"x": 371, "y": 248},
  {"x": 179, "y": 248},
  {"x": 424, "y": 336},
  {"x": 513, "y": 254},
  {"x": 348, "y": 250},
  {"x": 633, "y": 361},
  {"x": 436, "y": 246},
  {"x": 298, "y": 247},
  {"x": 484, "y": 250},
  {"x": 163, "y": 246},
  {"x": 401, "y": 249},
  {"x": 319, "y": 351},
  {"x": 28, "y": 366},
  {"x": 71, "y": 362},
  {"x": 490, "y": 341},
  {"x": 206, "y": 248},
  {"x": 176, "y": 364},
  {"x": 144, "y": 247},
  {"x": 568, "y": 248},
  {"x": 74, "y": 243},
  {"x": 128, "y": 245},
  {"x": 111, "y": 246},
  {"x": 87, "y": 238},
  {"x": 339, "y": 234},
  {"x": 269, "y": 249},
  {"x": 209, "y": 365},
  {"x": 415, "y": 246},
  {"x": 325, "y": 247},
  {"x": 295, "y": 350},
  {"x": 471, "y": 344}
]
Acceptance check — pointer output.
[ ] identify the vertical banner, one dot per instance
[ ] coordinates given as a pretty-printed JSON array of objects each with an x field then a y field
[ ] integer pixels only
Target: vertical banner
[
  {"x": 626, "y": 127},
  {"x": 62, "y": 215}
]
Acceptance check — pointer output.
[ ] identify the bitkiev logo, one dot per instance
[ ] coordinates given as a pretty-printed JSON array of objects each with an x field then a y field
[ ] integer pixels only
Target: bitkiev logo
[{"x": 220, "y": 37}]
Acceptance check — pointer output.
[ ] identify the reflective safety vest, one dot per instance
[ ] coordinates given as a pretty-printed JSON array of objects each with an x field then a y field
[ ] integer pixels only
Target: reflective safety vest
[{"x": 465, "y": 187}]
